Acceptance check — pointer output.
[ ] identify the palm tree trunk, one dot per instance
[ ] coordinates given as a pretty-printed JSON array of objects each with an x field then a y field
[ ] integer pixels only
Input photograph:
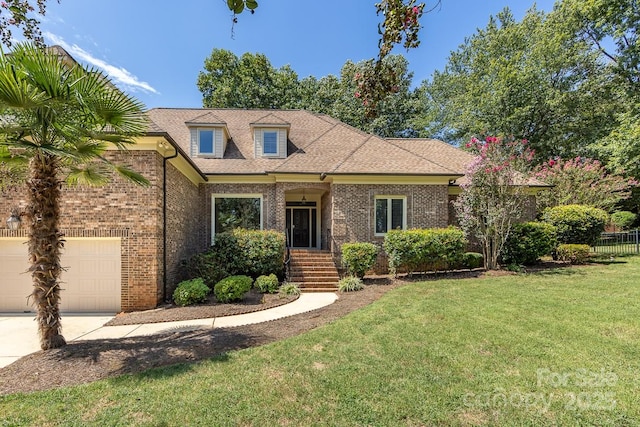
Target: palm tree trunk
[{"x": 45, "y": 242}]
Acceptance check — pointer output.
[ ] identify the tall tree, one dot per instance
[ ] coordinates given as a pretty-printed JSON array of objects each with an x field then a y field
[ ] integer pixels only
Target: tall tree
[
  {"x": 246, "y": 82},
  {"x": 530, "y": 79},
  {"x": 60, "y": 118},
  {"x": 611, "y": 27}
]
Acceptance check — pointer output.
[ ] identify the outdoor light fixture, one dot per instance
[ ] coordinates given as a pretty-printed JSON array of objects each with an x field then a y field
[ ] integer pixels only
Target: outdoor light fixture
[
  {"x": 13, "y": 222},
  {"x": 304, "y": 199}
]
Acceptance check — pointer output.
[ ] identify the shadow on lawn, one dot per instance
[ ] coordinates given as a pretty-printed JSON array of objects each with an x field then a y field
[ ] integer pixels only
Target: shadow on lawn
[{"x": 136, "y": 354}]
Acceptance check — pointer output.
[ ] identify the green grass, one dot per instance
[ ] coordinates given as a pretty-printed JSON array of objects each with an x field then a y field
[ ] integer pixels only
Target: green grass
[{"x": 560, "y": 347}]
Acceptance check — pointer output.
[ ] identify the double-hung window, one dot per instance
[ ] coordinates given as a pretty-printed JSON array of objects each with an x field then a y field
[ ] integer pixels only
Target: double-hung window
[{"x": 390, "y": 213}]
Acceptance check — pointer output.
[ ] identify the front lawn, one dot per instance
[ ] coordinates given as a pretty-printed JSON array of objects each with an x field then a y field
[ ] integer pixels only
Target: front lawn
[{"x": 559, "y": 347}]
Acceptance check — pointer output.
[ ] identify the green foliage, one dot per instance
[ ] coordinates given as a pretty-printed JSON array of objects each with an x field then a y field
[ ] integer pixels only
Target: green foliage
[
  {"x": 577, "y": 224},
  {"x": 232, "y": 288},
  {"x": 359, "y": 257},
  {"x": 424, "y": 249},
  {"x": 574, "y": 253},
  {"x": 624, "y": 220},
  {"x": 246, "y": 82},
  {"x": 472, "y": 260},
  {"x": 288, "y": 289},
  {"x": 581, "y": 181},
  {"x": 250, "y": 252},
  {"x": 350, "y": 284},
  {"x": 528, "y": 241},
  {"x": 207, "y": 266},
  {"x": 267, "y": 284},
  {"x": 534, "y": 79},
  {"x": 190, "y": 292}
]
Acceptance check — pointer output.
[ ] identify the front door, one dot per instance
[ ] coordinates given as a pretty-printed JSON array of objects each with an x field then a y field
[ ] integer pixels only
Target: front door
[{"x": 301, "y": 226}]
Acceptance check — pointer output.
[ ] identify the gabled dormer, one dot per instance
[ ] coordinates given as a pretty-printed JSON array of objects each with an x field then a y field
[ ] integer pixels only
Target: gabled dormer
[
  {"x": 209, "y": 136},
  {"x": 270, "y": 134}
]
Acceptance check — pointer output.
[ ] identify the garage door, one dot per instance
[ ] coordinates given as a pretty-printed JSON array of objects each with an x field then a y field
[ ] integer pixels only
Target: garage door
[{"x": 90, "y": 284}]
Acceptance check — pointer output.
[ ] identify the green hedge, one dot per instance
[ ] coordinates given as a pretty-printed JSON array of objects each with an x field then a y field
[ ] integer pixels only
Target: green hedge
[
  {"x": 528, "y": 241},
  {"x": 232, "y": 288},
  {"x": 576, "y": 224},
  {"x": 424, "y": 249},
  {"x": 359, "y": 257}
]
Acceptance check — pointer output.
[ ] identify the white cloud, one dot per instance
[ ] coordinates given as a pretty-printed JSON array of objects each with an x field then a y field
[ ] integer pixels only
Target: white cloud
[{"x": 119, "y": 76}]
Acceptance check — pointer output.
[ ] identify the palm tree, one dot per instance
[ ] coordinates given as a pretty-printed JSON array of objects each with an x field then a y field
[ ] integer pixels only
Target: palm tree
[{"x": 60, "y": 118}]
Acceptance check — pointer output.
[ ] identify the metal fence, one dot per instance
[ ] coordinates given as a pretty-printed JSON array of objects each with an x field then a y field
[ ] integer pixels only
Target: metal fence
[{"x": 621, "y": 242}]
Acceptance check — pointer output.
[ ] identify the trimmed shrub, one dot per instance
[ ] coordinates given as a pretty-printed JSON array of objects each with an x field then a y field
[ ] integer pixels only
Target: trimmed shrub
[
  {"x": 232, "y": 288},
  {"x": 251, "y": 252},
  {"x": 424, "y": 249},
  {"x": 623, "y": 219},
  {"x": 289, "y": 289},
  {"x": 359, "y": 257},
  {"x": 528, "y": 241},
  {"x": 267, "y": 284},
  {"x": 472, "y": 260},
  {"x": 248, "y": 252},
  {"x": 578, "y": 224},
  {"x": 191, "y": 292},
  {"x": 575, "y": 254},
  {"x": 350, "y": 284}
]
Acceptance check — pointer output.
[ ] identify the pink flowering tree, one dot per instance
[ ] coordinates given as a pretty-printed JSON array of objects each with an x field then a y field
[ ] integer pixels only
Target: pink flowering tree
[
  {"x": 494, "y": 193},
  {"x": 581, "y": 181}
]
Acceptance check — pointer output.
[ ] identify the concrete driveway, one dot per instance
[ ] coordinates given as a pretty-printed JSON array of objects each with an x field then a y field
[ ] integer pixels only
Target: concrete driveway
[{"x": 19, "y": 332}]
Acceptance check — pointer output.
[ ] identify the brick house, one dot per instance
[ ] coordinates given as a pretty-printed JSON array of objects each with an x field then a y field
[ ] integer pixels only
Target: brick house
[{"x": 319, "y": 180}]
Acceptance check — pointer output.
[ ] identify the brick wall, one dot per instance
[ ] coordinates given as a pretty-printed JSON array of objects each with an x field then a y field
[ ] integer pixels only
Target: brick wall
[
  {"x": 185, "y": 231},
  {"x": 354, "y": 211},
  {"x": 120, "y": 208}
]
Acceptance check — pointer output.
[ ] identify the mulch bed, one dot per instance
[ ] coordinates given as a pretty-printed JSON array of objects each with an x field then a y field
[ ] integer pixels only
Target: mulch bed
[
  {"x": 82, "y": 362},
  {"x": 253, "y": 301}
]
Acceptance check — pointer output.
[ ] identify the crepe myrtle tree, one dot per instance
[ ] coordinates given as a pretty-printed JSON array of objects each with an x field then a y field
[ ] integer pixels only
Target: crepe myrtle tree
[
  {"x": 494, "y": 194},
  {"x": 59, "y": 119}
]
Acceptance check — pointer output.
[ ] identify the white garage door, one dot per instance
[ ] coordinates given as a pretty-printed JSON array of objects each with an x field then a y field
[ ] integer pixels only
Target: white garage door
[{"x": 91, "y": 282}]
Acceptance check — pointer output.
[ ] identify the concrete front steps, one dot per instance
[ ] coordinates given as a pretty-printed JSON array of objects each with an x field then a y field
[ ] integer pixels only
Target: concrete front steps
[{"x": 314, "y": 270}]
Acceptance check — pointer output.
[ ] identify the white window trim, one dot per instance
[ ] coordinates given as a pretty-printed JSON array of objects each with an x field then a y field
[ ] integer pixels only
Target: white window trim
[
  {"x": 389, "y": 198},
  {"x": 233, "y": 196},
  {"x": 277, "y": 132},
  {"x": 213, "y": 142}
]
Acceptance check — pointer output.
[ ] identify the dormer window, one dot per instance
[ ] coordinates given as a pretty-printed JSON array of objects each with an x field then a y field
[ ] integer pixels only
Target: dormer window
[
  {"x": 209, "y": 136},
  {"x": 206, "y": 138},
  {"x": 270, "y": 135}
]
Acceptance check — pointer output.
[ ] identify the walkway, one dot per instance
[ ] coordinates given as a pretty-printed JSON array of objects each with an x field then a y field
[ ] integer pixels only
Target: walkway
[{"x": 19, "y": 335}]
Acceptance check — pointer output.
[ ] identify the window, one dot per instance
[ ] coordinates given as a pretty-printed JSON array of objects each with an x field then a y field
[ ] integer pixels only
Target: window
[
  {"x": 206, "y": 139},
  {"x": 236, "y": 211},
  {"x": 270, "y": 143},
  {"x": 390, "y": 213}
]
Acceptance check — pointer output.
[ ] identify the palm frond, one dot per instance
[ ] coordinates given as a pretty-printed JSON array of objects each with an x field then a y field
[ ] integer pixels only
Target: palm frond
[
  {"x": 132, "y": 175},
  {"x": 92, "y": 174}
]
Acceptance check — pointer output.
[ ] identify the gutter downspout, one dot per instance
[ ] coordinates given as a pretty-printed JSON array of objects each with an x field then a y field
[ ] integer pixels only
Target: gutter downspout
[{"x": 164, "y": 222}]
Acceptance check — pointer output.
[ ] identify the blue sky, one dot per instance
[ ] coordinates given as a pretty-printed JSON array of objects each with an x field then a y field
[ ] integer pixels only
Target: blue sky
[{"x": 154, "y": 49}]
